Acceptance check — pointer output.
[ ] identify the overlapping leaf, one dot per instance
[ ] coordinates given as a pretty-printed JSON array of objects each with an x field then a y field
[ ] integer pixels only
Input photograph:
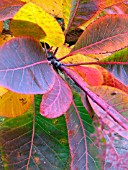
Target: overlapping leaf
[
  {"x": 117, "y": 102},
  {"x": 34, "y": 142},
  {"x": 110, "y": 80},
  {"x": 53, "y": 7},
  {"x": 113, "y": 114},
  {"x": 13, "y": 104},
  {"x": 95, "y": 41},
  {"x": 9, "y": 8},
  {"x": 24, "y": 68},
  {"x": 32, "y": 20},
  {"x": 83, "y": 151},
  {"x": 119, "y": 71},
  {"x": 78, "y": 12},
  {"x": 57, "y": 101}
]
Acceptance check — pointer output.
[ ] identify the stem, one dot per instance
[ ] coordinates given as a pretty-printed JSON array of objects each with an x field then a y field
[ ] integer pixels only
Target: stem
[
  {"x": 32, "y": 139},
  {"x": 95, "y": 98},
  {"x": 96, "y": 63},
  {"x": 59, "y": 59},
  {"x": 55, "y": 52}
]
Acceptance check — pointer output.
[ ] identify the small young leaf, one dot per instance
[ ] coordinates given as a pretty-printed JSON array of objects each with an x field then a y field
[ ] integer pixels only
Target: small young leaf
[
  {"x": 57, "y": 101},
  {"x": 13, "y": 104},
  {"x": 24, "y": 68},
  {"x": 8, "y": 8},
  {"x": 33, "y": 14},
  {"x": 106, "y": 34}
]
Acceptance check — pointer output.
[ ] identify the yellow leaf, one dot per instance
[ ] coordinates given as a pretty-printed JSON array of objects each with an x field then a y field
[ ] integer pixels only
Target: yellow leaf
[
  {"x": 66, "y": 11},
  {"x": 64, "y": 50},
  {"x": 31, "y": 20},
  {"x": 13, "y": 104},
  {"x": 52, "y": 7},
  {"x": 4, "y": 38}
]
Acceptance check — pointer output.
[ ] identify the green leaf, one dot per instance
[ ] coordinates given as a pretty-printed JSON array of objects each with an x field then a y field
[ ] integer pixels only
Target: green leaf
[{"x": 47, "y": 149}]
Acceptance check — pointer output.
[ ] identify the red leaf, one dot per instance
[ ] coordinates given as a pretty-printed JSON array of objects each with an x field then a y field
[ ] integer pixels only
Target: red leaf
[
  {"x": 24, "y": 68},
  {"x": 57, "y": 101},
  {"x": 90, "y": 74},
  {"x": 107, "y": 34},
  {"x": 8, "y": 8}
]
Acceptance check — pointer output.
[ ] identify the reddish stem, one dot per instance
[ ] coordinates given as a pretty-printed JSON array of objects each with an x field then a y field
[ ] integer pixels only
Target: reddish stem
[{"x": 96, "y": 63}]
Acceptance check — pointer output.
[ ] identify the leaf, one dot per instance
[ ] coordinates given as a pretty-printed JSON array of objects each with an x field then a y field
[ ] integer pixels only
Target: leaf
[
  {"x": 96, "y": 41},
  {"x": 52, "y": 7},
  {"x": 112, "y": 2},
  {"x": 9, "y": 8},
  {"x": 83, "y": 151},
  {"x": 119, "y": 71},
  {"x": 34, "y": 21},
  {"x": 25, "y": 70},
  {"x": 90, "y": 74},
  {"x": 80, "y": 12},
  {"x": 13, "y": 104},
  {"x": 113, "y": 115},
  {"x": 33, "y": 142},
  {"x": 57, "y": 101},
  {"x": 116, "y": 99},
  {"x": 110, "y": 80}
]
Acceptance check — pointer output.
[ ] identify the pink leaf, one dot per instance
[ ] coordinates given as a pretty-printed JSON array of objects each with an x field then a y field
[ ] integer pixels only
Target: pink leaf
[
  {"x": 8, "y": 8},
  {"x": 57, "y": 101},
  {"x": 24, "y": 68}
]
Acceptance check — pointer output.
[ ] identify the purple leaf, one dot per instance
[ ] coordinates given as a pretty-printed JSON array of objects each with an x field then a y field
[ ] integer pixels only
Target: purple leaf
[
  {"x": 8, "y": 8},
  {"x": 57, "y": 101},
  {"x": 24, "y": 68}
]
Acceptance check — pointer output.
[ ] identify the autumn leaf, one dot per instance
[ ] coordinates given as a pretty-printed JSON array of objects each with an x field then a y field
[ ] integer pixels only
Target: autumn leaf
[
  {"x": 32, "y": 20},
  {"x": 78, "y": 12},
  {"x": 90, "y": 74},
  {"x": 83, "y": 150},
  {"x": 26, "y": 70},
  {"x": 95, "y": 41},
  {"x": 116, "y": 99},
  {"x": 18, "y": 103},
  {"x": 57, "y": 101},
  {"x": 52, "y": 7},
  {"x": 9, "y": 8}
]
